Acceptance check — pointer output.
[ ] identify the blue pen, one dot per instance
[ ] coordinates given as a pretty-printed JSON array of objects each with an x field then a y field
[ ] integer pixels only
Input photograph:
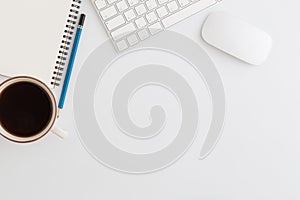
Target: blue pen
[{"x": 71, "y": 63}]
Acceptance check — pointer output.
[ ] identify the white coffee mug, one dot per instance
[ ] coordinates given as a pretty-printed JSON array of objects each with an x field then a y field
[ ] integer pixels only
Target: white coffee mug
[{"x": 51, "y": 118}]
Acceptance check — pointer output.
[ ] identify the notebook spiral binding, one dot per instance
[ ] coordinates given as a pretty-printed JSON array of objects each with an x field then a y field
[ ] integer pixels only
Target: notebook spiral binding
[{"x": 65, "y": 45}]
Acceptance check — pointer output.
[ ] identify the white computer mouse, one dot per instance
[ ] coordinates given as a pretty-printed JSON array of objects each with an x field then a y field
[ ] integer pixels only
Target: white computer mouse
[{"x": 237, "y": 38}]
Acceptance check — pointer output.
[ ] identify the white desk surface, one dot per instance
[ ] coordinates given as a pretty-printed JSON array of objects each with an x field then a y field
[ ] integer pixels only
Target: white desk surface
[{"x": 258, "y": 156}]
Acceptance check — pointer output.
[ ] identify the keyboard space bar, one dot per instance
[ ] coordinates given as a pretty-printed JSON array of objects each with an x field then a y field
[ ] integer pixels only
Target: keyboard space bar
[{"x": 186, "y": 12}]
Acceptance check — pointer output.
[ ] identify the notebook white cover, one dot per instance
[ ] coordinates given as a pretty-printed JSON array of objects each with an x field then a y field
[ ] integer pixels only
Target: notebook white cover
[{"x": 30, "y": 37}]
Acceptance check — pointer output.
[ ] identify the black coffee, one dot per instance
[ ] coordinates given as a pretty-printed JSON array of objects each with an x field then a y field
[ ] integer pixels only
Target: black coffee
[{"x": 25, "y": 109}]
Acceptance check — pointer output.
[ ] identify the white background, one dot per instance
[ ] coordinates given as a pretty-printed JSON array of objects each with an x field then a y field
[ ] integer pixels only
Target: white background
[{"x": 258, "y": 156}]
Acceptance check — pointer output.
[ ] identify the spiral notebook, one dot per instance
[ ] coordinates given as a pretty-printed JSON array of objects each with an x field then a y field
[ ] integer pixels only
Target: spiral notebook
[{"x": 36, "y": 37}]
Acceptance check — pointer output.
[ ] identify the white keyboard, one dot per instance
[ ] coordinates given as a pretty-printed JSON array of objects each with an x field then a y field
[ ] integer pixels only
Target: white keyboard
[{"x": 128, "y": 22}]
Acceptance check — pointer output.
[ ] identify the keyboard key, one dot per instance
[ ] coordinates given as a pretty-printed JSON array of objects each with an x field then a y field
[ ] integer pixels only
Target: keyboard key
[
  {"x": 183, "y": 2},
  {"x": 162, "y": 1},
  {"x": 151, "y": 4},
  {"x": 151, "y": 17},
  {"x": 129, "y": 15},
  {"x": 133, "y": 2},
  {"x": 100, "y": 4},
  {"x": 132, "y": 40},
  {"x": 172, "y": 6},
  {"x": 140, "y": 22},
  {"x": 108, "y": 12},
  {"x": 162, "y": 11},
  {"x": 122, "y": 6},
  {"x": 155, "y": 28},
  {"x": 140, "y": 9},
  {"x": 143, "y": 34},
  {"x": 115, "y": 22},
  {"x": 188, "y": 11},
  {"x": 123, "y": 31},
  {"x": 111, "y": 1},
  {"x": 122, "y": 45}
]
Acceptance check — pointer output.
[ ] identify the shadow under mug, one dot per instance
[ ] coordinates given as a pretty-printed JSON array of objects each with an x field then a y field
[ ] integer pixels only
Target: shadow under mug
[{"x": 12, "y": 118}]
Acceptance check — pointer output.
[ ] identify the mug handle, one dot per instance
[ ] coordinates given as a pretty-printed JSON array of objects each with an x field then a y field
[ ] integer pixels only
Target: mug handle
[{"x": 59, "y": 132}]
